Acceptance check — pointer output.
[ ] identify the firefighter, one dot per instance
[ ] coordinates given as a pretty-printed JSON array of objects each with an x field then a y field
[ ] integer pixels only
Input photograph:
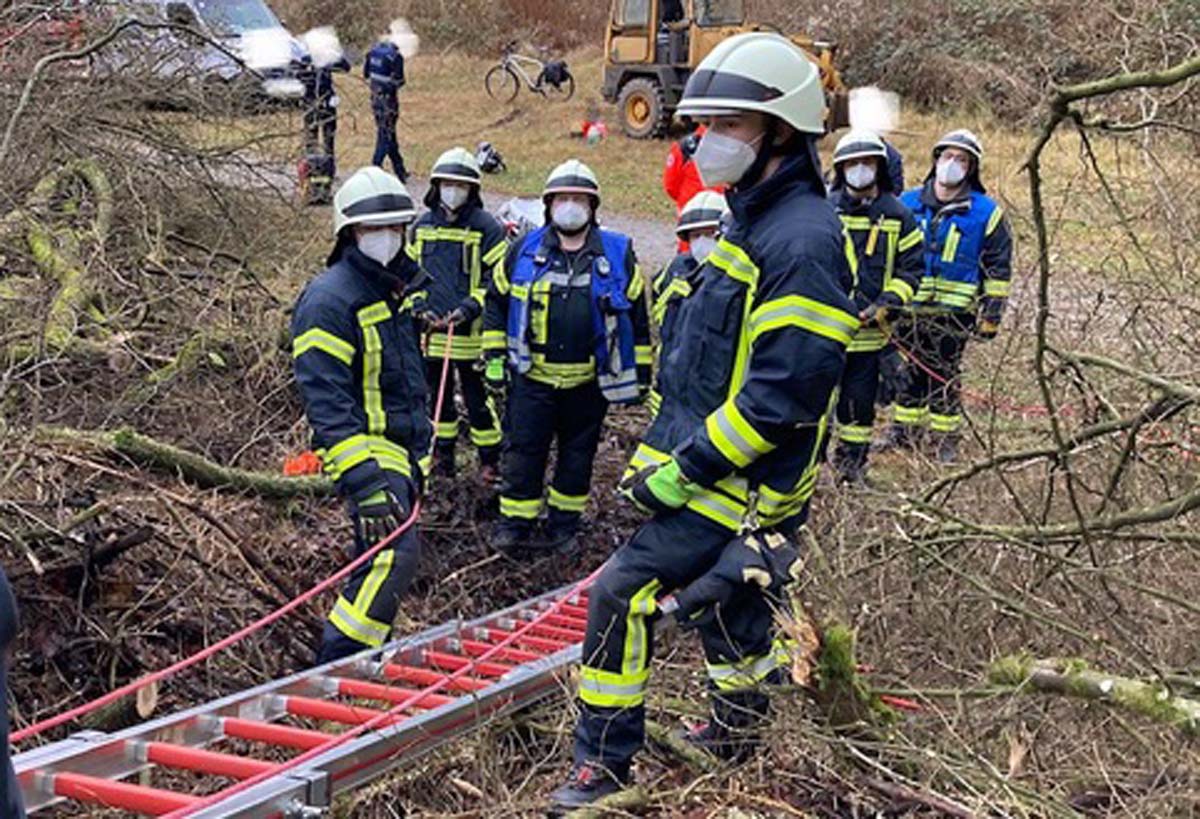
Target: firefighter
[
  {"x": 320, "y": 105},
  {"x": 968, "y": 267},
  {"x": 383, "y": 68},
  {"x": 565, "y": 323},
  {"x": 698, "y": 226},
  {"x": 362, "y": 380},
  {"x": 888, "y": 248},
  {"x": 746, "y": 393},
  {"x": 458, "y": 243}
]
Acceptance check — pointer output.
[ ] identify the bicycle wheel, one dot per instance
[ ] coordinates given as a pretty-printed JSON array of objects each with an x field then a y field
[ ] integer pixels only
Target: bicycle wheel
[
  {"x": 501, "y": 83},
  {"x": 564, "y": 91}
]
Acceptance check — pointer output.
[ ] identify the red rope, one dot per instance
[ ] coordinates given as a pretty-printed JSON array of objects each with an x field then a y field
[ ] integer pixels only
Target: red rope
[
  {"x": 383, "y": 717},
  {"x": 241, "y": 634}
]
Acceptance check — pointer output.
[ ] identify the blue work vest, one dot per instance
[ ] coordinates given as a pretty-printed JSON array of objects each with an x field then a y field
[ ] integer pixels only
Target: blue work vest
[
  {"x": 953, "y": 246},
  {"x": 612, "y": 324}
]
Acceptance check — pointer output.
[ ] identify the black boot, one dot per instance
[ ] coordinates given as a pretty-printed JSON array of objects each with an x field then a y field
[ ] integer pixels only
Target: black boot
[
  {"x": 443, "y": 459},
  {"x": 850, "y": 461},
  {"x": 732, "y": 733},
  {"x": 588, "y": 782},
  {"x": 902, "y": 437},
  {"x": 562, "y": 533},
  {"x": 512, "y": 537},
  {"x": 945, "y": 447}
]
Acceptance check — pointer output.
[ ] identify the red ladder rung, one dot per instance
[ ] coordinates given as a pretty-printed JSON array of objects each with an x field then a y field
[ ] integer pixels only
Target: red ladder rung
[
  {"x": 477, "y": 647},
  {"x": 389, "y": 693},
  {"x": 425, "y": 676},
  {"x": 570, "y": 635},
  {"x": 573, "y": 623},
  {"x": 285, "y": 735},
  {"x": 207, "y": 762},
  {"x": 578, "y": 612},
  {"x": 338, "y": 712},
  {"x": 499, "y": 635},
  {"x": 453, "y": 662},
  {"x": 123, "y": 795}
]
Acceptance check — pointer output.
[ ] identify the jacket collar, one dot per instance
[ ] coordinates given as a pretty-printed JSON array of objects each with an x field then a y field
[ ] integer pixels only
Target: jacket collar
[
  {"x": 845, "y": 203},
  {"x": 795, "y": 174},
  {"x": 960, "y": 203},
  {"x": 550, "y": 243},
  {"x": 384, "y": 282}
]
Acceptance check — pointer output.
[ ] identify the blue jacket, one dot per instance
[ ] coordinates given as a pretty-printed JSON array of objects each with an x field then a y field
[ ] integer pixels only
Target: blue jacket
[
  {"x": 968, "y": 252},
  {"x": 360, "y": 371},
  {"x": 757, "y": 351},
  {"x": 384, "y": 67},
  {"x": 612, "y": 321}
]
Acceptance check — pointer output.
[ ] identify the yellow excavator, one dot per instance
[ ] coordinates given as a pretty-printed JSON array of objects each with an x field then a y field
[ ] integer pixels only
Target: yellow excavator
[{"x": 652, "y": 46}]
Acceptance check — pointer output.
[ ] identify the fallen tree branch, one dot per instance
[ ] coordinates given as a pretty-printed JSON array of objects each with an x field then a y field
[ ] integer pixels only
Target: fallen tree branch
[{"x": 189, "y": 465}]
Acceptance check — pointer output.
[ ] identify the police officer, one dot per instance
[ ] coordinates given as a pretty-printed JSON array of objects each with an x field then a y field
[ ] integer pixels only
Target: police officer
[
  {"x": 697, "y": 227},
  {"x": 384, "y": 70},
  {"x": 458, "y": 243},
  {"x": 888, "y": 249},
  {"x": 362, "y": 381},
  {"x": 968, "y": 267},
  {"x": 745, "y": 397},
  {"x": 566, "y": 322}
]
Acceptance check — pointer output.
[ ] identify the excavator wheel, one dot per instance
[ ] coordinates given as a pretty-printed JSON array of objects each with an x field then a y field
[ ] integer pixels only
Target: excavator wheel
[{"x": 643, "y": 108}]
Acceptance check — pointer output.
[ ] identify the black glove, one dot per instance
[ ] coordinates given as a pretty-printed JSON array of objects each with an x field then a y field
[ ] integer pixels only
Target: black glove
[
  {"x": 378, "y": 516},
  {"x": 764, "y": 560}
]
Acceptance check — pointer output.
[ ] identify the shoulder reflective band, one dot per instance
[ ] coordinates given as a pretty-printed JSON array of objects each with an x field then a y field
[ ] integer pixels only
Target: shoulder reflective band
[{"x": 993, "y": 220}]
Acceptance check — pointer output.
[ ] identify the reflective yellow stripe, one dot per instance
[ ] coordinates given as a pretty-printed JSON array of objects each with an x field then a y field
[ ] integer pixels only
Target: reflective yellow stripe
[
  {"x": 718, "y": 508},
  {"x": 517, "y": 508},
  {"x": 993, "y": 220},
  {"x": 643, "y": 354},
  {"x": 944, "y": 423},
  {"x": 464, "y": 348},
  {"x": 447, "y": 430},
  {"x": 500, "y": 278},
  {"x": 604, "y": 689},
  {"x": 635, "y": 656},
  {"x": 734, "y": 437},
  {"x": 637, "y": 283},
  {"x": 997, "y": 288},
  {"x": 851, "y": 256},
  {"x": 372, "y": 368},
  {"x": 645, "y": 456},
  {"x": 734, "y": 262},
  {"x": 566, "y": 503},
  {"x": 654, "y": 402},
  {"x": 913, "y": 239},
  {"x": 326, "y": 342},
  {"x": 381, "y": 566},
  {"x": 493, "y": 340},
  {"x": 950, "y": 249},
  {"x": 413, "y": 249},
  {"x": 853, "y": 434},
  {"x": 485, "y": 437},
  {"x": 345, "y": 455},
  {"x": 901, "y": 288},
  {"x": 805, "y": 313},
  {"x": 746, "y": 673},
  {"x": 374, "y": 313},
  {"x": 872, "y": 239},
  {"x": 867, "y": 339},
  {"x": 910, "y": 416},
  {"x": 496, "y": 253},
  {"x": 357, "y": 626}
]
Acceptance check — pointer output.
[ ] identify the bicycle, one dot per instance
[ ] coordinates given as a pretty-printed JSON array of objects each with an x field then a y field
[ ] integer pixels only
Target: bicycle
[{"x": 550, "y": 79}]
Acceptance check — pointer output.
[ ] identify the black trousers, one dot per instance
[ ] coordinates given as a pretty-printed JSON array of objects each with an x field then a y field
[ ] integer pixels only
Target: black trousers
[
  {"x": 666, "y": 553},
  {"x": 856, "y": 401},
  {"x": 482, "y": 420},
  {"x": 364, "y": 612},
  {"x": 320, "y": 122},
  {"x": 537, "y": 416},
  {"x": 10, "y": 792},
  {"x": 386, "y": 108},
  {"x": 933, "y": 392}
]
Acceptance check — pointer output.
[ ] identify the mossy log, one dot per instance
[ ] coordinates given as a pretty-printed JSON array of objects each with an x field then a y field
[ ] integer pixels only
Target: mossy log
[
  {"x": 195, "y": 468},
  {"x": 848, "y": 702},
  {"x": 1073, "y": 678}
]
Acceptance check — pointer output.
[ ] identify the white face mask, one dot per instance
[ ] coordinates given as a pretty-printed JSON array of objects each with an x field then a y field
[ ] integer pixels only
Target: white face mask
[
  {"x": 381, "y": 245},
  {"x": 569, "y": 217},
  {"x": 723, "y": 160},
  {"x": 860, "y": 176},
  {"x": 453, "y": 196},
  {"x": 701, "y": 246},
  {"x": 950, "y": 172}
]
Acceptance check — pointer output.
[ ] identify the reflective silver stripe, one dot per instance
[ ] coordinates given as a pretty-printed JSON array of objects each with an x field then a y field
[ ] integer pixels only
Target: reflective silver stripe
[
  {"x": 555, "y": 279},
  {"x": 744, "y": 673},
  {"x": 734, "y": 437},
  {"x": 805, "y": 314}
]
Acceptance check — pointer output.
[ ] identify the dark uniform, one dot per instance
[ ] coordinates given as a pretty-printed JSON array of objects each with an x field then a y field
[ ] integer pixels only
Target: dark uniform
[
  {"x": 967, "y": 272},
  {"x": 888, "y": 247},
  {"x": 746, "y": 393},
  {"x": 320, "y": 105},
  {"x": 10, "y": 790},
  {"x": 361, "y": 377},
  {"x": 384, "y": 69},
  {"x": 558, "y": 398},
  {"x": 459, "y": 253},
  {"x": 674, "y": 282}
]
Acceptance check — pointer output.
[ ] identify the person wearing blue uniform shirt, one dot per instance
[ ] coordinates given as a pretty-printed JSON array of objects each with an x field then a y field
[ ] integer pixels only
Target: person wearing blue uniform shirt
[{"x": 383, "y": 68}]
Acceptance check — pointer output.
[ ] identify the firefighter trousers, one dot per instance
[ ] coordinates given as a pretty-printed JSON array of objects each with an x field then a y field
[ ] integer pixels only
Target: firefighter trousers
[
  {"x": 482, "y": 420},
  {"x": 363, "y": 614},
  {"x": 666, "y": 553},
  {"x": 320, "y": 130},
  {"x": 538, "y": 415},
  {"x": 932, "y": 392},
  {"x": 856, "y": 407},
  {"x": 386, "y": 108}
]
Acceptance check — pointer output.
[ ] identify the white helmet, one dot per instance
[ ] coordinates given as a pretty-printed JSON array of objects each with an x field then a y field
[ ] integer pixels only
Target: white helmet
[
  {"x": 372, "y": 196},
  {"x": 963, "y": 139},
  {"x": 571, "y": 176},
  {"x": 859, "y": 145},
  {"x": 758, "y": 71},
  {"x": 704, "y": 210},
  {"x": 456, "y": 165}
]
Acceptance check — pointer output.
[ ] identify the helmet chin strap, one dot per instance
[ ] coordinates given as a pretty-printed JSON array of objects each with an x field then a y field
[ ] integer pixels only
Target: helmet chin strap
[{"x": 766, "y": 149}]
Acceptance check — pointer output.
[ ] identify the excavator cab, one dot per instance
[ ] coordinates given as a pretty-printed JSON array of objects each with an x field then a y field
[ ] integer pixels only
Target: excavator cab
[{"x": 652, "y": 46}]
